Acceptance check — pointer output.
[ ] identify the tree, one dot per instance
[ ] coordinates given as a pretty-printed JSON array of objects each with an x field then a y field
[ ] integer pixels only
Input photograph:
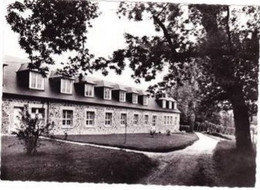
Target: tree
[
  {"x": 48, "y": 28},
  {"x": 225, "y": 49},
  {"x": 30, "y": 129}
]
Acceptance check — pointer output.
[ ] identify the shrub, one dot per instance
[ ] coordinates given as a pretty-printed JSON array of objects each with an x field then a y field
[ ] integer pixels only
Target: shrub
[
  {"x": 152, "y": 132},
  {"x": 30, "y": 130},
  {"x": 168, "y": 132}
]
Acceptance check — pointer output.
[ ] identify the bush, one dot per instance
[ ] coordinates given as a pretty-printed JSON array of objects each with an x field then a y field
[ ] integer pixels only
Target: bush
[
  {"x": 30, "y": 130},
  {"x": 168, "y": 132},
  {"x": 152, "y": 132},
  {"x": 185, "y": 128}
]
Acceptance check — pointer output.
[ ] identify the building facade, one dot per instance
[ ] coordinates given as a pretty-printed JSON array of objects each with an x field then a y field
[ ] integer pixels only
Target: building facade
[{"x": 82, "y": 105}]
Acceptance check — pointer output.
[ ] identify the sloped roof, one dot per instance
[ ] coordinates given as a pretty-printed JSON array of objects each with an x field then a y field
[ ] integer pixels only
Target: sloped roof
[{"x": 11, "y": 87}]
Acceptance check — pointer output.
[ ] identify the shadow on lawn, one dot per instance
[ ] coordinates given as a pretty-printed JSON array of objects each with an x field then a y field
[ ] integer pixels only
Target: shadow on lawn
[
  {"x": 234, "y": 169},
  {"x": 63, "y": 162}
]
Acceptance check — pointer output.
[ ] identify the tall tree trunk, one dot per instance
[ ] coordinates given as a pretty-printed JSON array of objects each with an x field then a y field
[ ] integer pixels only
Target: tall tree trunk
[{"x": 242, "y": 124}]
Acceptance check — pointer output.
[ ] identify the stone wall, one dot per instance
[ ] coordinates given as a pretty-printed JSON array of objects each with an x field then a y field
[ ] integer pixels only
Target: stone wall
[{"x": 79, "y": 118}]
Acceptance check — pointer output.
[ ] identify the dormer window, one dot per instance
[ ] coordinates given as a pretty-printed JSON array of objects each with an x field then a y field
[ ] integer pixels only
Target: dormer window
[
  {"x": 36, "y": 81},
  {"x": 170, "y": 105},
  {"x": 163, "y": 103},
  {"x": 122, "y": 95},
  {"x": 66, "y": 86},
  {"x": 107, "y": 93},
  {"x": 89, "y": 90},
  {"x": 134, "y": 98},
  {"x": 145, "y": 100}
]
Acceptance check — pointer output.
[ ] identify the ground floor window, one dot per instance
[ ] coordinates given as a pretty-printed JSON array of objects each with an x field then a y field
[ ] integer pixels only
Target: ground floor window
[
  {"x": 136, "y": 118},
  {"x": 40, "y": 112},
  {"x": 146, "y": 119},
  {"x": 154, "y": 120},
  {"x": 123, "y": 119},
  {"x": 90, "y": 118},
  {"x": 108, "y": 119},
  {"x": 67, "y": 117},
  {"x": 168, "y": 120}
]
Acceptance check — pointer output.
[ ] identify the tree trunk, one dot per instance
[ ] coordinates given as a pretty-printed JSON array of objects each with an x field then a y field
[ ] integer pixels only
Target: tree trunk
[{"x": 242, "y": 124}]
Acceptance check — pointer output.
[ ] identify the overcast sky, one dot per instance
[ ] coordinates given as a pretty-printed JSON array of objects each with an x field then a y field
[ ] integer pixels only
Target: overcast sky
[{"x": 105, "y": 37}]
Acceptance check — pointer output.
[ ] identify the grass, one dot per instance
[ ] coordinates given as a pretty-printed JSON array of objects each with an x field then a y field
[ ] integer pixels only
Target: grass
[
  {"x": 71, "y": 163},
  {"x": 234, "y": 168},
  {"x": 143, "y": 142}
]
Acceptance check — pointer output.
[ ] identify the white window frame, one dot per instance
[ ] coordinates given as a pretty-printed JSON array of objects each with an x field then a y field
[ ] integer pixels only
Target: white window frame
[
  {"x": 37, "y": 81},
  {"x": 123, "y": 124},
  {"x": 154, "y": 122},
  {"x": 170, "y": 105},
  {"x": 91, "y": 86},
  {"x": 107, "y": 93},
  {"x": 72, "y": 120},
  {"x": 68, "y": 86},
  {"x": 135, "y": 122},
  {"x": 108, "y": 119},
  {"x": 145, "y": 100},
  {"x": 134, "y": 98},
  {"x": 146, "y": 122},
  {"x": 163, "y": 103},
  {"x": 86, "y": 118},
  {"x": 122, "y": 96}
]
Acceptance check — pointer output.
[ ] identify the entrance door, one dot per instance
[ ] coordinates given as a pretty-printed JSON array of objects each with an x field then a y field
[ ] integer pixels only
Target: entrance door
[{"x": 16, "y": 124}]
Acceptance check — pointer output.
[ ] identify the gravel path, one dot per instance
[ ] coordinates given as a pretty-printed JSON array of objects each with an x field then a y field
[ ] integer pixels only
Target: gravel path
[{"x": 190, "y": 166}]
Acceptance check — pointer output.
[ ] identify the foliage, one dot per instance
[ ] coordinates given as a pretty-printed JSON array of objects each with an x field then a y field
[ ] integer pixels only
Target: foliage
[
  {"x": 224, "y": 48},
  {"x": 48, "y": 28},
  {"x": 30, "y": 130}
]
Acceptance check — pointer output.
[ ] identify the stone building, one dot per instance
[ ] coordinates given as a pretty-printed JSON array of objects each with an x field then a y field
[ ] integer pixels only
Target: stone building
[{"x": 82, "y": 105}]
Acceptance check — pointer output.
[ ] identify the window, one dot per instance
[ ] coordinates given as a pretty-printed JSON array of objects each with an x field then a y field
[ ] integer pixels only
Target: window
[
  {"x": 163, "y": 103},
  {"x": 67, "y": 118},
  {"x": 168, "y": 120},
  {"x": 90, "y": 118},
  {"x": 89, "y": 90},
  {"x": 66, "y": 86},
  {"x": 108, "y": 119},
  {"x": 123, "y": 119},
  {"x": 136, "y": 118},
  {"x": 134, "y": 100},
  {"x": 39, "y": 112},
  {"x": 145, "y": 100},
  {"x": 146, "y": 119},
  {"x": 170, "y": 105},
  {"x": 164, "y": 120},
  {"x": 122, "y": 96},
  {"x": 36, "y": 81},
  {"x": 107, "y": 93},
  {"x": 154, "y": 120}
]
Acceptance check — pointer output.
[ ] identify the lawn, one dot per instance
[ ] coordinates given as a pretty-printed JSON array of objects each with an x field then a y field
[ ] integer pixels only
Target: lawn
[
  {"x": 232, "y": 167},
  {"x": 57, "y": 161},
  {"x": 144, "y": 142}
]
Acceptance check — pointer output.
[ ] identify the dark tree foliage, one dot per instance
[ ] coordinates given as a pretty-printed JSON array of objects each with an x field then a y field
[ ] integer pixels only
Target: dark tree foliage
[
  {"x": 53, "y": 27},
  {"x": 224, "y": 47}
]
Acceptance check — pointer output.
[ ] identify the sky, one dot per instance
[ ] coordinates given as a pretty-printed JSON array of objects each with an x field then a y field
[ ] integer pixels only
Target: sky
[{"x": 106, "y": 36}]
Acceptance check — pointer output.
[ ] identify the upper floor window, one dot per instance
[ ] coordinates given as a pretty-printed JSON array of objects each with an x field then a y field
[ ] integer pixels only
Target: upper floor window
[
  {"x": 107, "y": 93},
  {"x": 170, "y": 105},
  {"x": 36, "y": 81},
  {"x": 89, "y": 90},
  {"x": 146, "y": 119},
  {"x": 122, "y": 96},
  {"x": 163, "y": 103},
  {"x": 90, "y": 118},
  {"x": 136, "y": 118},
  {"x": 67, "y": 118},
  {"x": 145, "y": 100},
  {"x": 134, "y": 100},
  {"x": 66, "y": 86},
  {"x": 108, "y": 118}
]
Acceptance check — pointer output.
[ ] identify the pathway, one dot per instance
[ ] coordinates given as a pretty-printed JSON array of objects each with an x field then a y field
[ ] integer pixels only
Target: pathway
[{"x": 190, "y": 166}]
